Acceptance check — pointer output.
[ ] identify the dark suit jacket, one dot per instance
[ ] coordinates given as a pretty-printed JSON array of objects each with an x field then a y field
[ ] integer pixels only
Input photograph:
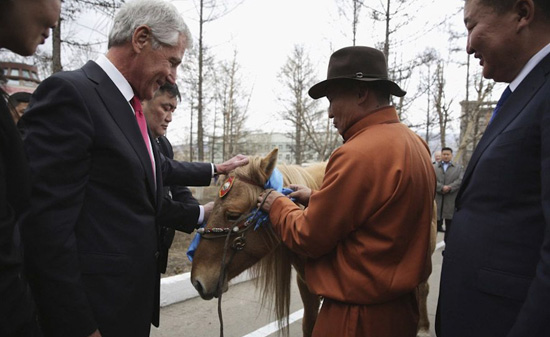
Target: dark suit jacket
[
  {"x": 90, "y": 235},
  {"x": 495, "y": 279},
  {"x": 180, "y": 210},
  {"x": 16, "y": 308}
]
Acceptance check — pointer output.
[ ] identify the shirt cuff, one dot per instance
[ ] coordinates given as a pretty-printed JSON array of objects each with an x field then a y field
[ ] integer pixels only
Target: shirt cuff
[{"x": 201, "y": 215}]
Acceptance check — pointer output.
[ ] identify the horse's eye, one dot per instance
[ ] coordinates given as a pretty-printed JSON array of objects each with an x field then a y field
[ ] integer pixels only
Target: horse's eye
[{"x": 231, "y": 216}]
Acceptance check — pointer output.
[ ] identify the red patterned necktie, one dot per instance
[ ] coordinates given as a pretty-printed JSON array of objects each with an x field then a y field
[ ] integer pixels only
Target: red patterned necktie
[{"x": 136, "y": 104}]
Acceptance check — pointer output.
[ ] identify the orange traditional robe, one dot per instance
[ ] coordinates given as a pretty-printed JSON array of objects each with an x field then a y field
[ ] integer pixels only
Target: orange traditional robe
[{"x": 367, "y": 230}]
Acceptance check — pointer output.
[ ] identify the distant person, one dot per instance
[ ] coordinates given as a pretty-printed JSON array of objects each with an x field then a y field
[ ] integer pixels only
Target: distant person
[
  {"x": 495, "y": 278},
  {"x": 449, "y": 178},
  {"x": 18, "y": 102},
  {"x": 437, "y": 157},
  {"x": 24, "y": 24},
  {"x": 366, "y": 232},
  {"x": 180, "y": 210},
  {"x": 91, "y": 239}
]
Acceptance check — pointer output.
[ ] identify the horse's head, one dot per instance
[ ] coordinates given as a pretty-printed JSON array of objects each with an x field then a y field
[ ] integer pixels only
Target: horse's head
[{"x": 230, "y": 244}]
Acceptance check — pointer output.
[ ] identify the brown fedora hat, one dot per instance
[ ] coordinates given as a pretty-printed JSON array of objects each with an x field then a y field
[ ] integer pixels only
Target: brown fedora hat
[{"x": 359, "y": 64}]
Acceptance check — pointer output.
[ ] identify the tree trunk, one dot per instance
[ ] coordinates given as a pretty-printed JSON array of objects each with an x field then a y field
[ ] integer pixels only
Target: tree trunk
[
  {"x": 56, "y": 49},
  {"x": 200, "y": 129}
]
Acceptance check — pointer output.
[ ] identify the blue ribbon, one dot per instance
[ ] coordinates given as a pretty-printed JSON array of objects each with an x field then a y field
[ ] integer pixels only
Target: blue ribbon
[{"x": 275, "y": 182}]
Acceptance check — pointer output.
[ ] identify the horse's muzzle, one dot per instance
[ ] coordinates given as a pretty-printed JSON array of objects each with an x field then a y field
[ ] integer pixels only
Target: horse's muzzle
[{"x": 208, "y": 294}]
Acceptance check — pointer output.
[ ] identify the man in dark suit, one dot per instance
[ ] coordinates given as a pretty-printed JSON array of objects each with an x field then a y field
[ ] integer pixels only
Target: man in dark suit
[
  {"x": 91, "y": 242},
  {"x": 495, "y": 277},
  {"x": 180, "y": 210},
  {"x": 17, "y": 312}
]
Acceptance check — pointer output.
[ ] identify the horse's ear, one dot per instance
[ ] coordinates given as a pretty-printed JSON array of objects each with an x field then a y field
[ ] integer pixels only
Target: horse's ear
[{"x": 268, "y": 163}]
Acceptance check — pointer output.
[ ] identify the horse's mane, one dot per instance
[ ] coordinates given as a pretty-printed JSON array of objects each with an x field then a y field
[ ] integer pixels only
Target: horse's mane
[{"x": 273, "y": 272}]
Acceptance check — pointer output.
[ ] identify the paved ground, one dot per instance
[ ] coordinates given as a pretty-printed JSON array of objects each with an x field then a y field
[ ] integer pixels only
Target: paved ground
[{"x": 243, "y": 315}]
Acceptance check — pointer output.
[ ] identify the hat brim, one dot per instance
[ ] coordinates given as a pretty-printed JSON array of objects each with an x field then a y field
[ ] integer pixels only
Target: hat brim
[{"x": 320, "y": 89}]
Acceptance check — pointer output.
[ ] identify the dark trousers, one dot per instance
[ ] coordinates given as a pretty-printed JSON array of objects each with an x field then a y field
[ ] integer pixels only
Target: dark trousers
[{"x": 448, "y": 223}]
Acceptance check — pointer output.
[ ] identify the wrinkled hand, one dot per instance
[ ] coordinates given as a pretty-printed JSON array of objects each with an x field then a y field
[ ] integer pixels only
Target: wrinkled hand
[
  {"x": 208, "y": 210},
  {"x": 301, "y": 194},
  {"x": 231, "y": 164},
  {"x": 446, "y": 189},
  {"x": 269, "y": 196}
]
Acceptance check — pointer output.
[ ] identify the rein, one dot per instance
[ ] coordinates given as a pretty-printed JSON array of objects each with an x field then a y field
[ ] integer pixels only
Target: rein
[{"x": 238, "y": 244}]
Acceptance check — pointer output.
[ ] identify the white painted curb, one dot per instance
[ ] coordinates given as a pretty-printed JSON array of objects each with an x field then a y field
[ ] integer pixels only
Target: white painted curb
[{"x": 178, "y": 288}]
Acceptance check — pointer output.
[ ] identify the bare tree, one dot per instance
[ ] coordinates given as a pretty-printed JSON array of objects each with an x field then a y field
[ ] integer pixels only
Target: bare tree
[
  {"x": 395, "y": 15},
  {"x": 423, "y": 64},
  {"x": 475, "y": 116},
  {"x": 441, "y": 105},
  {"x": 70, "y": 11},
  {"x": 297, "y": 76},
  {"x": 311, "y": 126},
  {"x": 234, "y": 107},
  {"x": 209, "y": 10},
  {"x": 322, "y": 138},
  {"x": 355, "y": 10},
  {"x": 189, "y": 88}
]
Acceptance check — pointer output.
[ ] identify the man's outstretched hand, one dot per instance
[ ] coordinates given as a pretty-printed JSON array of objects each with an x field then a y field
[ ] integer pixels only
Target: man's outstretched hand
[
  {"x": 231, "y": 164},
  {"x": 301, "y": 194}
]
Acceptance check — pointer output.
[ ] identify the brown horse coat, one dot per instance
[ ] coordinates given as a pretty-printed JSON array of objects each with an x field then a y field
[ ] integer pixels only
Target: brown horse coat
[{"x": 366, "y": 231}]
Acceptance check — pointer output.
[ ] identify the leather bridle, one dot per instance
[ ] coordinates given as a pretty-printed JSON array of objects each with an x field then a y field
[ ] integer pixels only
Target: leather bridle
[{"x": 243, "y": 225}]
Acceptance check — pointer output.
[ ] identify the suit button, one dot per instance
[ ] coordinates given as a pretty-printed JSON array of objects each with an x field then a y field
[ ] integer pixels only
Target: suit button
[{"x": 157, "y": 254}]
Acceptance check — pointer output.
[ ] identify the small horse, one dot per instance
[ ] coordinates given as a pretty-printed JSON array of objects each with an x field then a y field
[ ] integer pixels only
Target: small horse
[
  {"x": 260, "y": 249},
  {"x": 270, "y": 260}
]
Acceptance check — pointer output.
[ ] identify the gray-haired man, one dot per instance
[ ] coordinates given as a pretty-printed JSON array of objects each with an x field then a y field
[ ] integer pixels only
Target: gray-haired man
[{"x": 90, "y": 236}]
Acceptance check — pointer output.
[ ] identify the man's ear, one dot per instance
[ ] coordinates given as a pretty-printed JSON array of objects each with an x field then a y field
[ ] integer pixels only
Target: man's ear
[
  {"x": 525, "y": 13},
  {"x": 362, "y": 95},
  {"x": 141, "y": 37}
]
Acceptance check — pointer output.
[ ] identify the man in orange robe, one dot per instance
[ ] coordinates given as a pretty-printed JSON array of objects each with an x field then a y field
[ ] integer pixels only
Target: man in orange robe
[{"x": 366, "y": 231}]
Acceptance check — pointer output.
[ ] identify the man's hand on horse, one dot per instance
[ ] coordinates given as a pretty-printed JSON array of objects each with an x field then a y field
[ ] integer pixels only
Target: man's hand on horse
[
  {"x": 301, "y": 194},
  {"x": 208, "y": 207},
  {"x": 231, "y": 164},
  {"x": 267, "y": 198}
]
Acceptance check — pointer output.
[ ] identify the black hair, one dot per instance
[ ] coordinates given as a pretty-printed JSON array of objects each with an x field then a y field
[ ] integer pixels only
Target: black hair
[
  {"x": 503, "y": 6},
  {"x": 170, "y": 89},
  {"x": 20, "y": 97},
  {"x": 447, "y": 149}
]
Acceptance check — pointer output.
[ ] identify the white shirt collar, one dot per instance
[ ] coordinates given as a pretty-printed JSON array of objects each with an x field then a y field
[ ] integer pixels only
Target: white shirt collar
[
  {"x": 529, "y": 66},
  {"x": 116, "y": 76}
]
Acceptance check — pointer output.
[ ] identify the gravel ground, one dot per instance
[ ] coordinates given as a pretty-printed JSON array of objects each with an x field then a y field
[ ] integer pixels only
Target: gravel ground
[{"x": 177, "y": 259}]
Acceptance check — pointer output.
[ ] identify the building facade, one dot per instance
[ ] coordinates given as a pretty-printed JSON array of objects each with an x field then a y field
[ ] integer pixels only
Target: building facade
[{"x": 20, "y": 77}]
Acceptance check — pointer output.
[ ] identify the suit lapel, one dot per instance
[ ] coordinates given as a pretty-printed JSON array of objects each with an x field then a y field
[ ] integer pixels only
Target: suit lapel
[
  {"x": 158, "y": 169},
  {"x": 124, "y": 117},
  {"x": 508, "y": 112}
]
